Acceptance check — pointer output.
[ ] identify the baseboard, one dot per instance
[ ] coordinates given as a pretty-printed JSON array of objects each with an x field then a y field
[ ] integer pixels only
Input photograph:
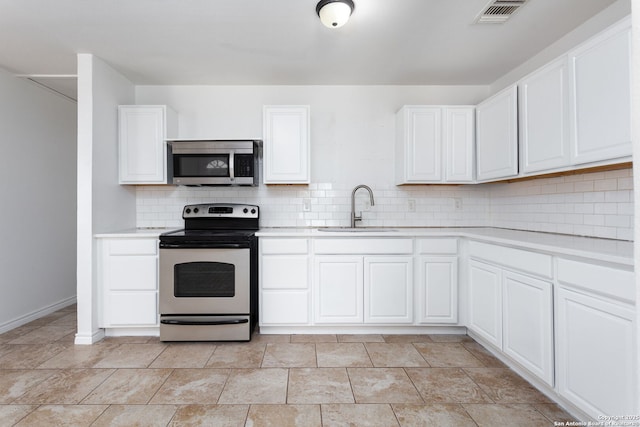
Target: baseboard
[
  {"x": 23, "y": 320},
  {"x": 89, "y": 339}
]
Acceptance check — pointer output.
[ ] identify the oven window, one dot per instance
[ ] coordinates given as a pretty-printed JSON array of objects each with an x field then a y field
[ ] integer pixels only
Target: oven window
[
  {"x": 204, "y": 279},
  {"x": 204, "y": 165}
]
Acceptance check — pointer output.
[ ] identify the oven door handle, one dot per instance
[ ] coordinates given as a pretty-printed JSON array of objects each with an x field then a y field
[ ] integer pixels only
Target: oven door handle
[
  {"x": 207, "y": 245},
  {"x": 208, "y": 322}
]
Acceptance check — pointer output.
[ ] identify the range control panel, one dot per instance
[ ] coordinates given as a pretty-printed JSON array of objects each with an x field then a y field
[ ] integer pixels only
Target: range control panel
[{"x": 220, "y": 210}]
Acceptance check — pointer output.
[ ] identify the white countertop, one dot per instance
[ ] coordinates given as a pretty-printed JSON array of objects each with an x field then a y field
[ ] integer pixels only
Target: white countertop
[
  {"x": 608, "y": 250},
  {"x": 134, "y": 232}
]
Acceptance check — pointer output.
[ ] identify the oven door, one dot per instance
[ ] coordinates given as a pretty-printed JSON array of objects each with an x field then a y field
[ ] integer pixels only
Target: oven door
[{"x": 204, "y": 281}]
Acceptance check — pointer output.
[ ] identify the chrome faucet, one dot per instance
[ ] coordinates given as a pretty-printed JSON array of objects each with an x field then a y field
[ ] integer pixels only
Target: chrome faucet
[{"x": 355, "y": 217}]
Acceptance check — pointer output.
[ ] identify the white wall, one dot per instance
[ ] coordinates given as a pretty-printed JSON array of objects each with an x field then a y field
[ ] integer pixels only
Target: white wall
[
  {"x": 103, "y": 205},
  {"x": 38, "y": 189}
]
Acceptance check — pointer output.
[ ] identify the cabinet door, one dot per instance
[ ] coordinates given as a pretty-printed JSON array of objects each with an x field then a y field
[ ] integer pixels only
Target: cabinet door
[
  {"x": 142, "y": 146},
  {"x": 438, "y": 290},
  {"x": 596, "y": 354},
  {"x": 459, "y": 143},
  {"x": 338, "y": 289},
  {"x": 544, "y": 118},
  {"x": 497, "y": 136},
  {"x": 528, "y": 323},
  {"x": 419, "y": 144},
  {"x": 286, "y": 144},
  {"x": 485, "y": 302},
  {"x": 601, "y": 95},
  {"x": 388, "y": 289}
]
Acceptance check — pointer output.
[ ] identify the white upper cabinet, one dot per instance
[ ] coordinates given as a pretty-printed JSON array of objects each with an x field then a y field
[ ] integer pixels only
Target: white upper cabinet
[
  {"x": 142, "y": 132},
  {"x": 544, "y": 118},
  {"x": 601, "y": 95},
  {"x": 434, "y": 144},
  {"x": 459, "y": 144},
  {"x": 497, "y": 136},
  {"x": 286, "y": 134}
]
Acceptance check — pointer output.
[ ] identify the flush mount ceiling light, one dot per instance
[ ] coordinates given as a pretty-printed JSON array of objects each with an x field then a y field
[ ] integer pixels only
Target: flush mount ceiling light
[{"x": 334, "y": 13}]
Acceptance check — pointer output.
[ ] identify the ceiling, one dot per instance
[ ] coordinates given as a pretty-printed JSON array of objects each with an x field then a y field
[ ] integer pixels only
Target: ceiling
[{"x": 275, "y": 42}]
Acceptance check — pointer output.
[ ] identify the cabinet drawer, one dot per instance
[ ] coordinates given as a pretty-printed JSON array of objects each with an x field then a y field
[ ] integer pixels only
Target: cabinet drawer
[
  {"x": 612, "y": 282},
  {"x": 284, "y": 307},
  {"x": 437, "y": 246},
  {"x": 283, "y": 246},
  {"x": 133, "y": 247},
  {"x": 284, "y": 272},
  {"x": 131, "y": 309},
  {"x": 363, "y": 246},
  {"x": 131, "y": 273},
  {"x": 530, "y": 262}
]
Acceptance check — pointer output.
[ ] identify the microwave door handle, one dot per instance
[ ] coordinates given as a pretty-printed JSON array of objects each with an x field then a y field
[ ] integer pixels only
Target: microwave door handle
[{"x": 232, "y": 156}]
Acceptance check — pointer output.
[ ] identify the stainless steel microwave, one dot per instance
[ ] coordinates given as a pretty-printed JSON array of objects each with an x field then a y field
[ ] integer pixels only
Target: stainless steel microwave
[{"x": 214, "y": 162}]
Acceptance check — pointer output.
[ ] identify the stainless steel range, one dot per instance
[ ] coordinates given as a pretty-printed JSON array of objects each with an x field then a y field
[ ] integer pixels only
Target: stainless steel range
[{"x": 209, "y": 274}]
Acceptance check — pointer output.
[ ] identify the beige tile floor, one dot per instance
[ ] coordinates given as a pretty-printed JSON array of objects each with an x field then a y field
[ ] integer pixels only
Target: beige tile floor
[{"x": 274, "y": 380}]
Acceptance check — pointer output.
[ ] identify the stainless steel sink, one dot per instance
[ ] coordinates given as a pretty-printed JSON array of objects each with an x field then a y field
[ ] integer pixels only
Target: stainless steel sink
[{"x": 355, "y": 229}]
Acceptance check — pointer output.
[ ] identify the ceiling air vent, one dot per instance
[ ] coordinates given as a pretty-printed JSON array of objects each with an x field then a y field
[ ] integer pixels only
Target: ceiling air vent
[{"x": 498, "y": 11}]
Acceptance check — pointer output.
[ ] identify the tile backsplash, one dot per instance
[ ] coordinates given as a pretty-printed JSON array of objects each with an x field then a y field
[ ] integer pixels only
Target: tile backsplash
[{"x": 598, "y": 204}]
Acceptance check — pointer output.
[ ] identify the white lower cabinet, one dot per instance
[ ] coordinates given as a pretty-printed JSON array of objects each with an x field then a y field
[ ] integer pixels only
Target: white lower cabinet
[
  {"x": 485, "y": 301},
  {"x": 596, "y": 354},
  {"x": 596, "y": 338},
  {"x": 437, "y": 280},
  {"x": 284, "y": 282},
  {"x": 369, "y": 289},
  {"x": 514, "y": 312},
  {"x": 388, "y": 289},
  {"x": 338, "y": 288},
  {"x": 128, "y": 282},
  {"x": 527, "y": 319}
]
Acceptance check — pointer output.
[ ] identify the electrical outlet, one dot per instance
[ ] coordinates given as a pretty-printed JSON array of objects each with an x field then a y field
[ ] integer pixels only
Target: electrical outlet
[
  {"x": 306, "y": 205},
  {"x": 457, "y": 203},
  {"x": 411, "y": 205}
]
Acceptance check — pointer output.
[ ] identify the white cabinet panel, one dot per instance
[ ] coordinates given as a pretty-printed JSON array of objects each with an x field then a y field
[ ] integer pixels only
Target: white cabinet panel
[
  {"x": 338, "y": 289},
  {"x": 286, "y": 133},
  {"x": 485, "y": 301},
  {"x": 596, "y": 354},
  {"x": 459, "y": 144},
  {"x": 388, "y": 289},
  {"x": 544, "y": 118},
  {"x": 419, "y": 144},
  {"x": 438, "y": 289},
  {"x": 497, "y": 136},
  {"x": 284, "y": 272},
  {"x": 434, "y": 144},
  {"x": 284, "y": 307},
  {"x": 528, "y": 323},
  {"x": 134, "y": 309},
  {"x": 601, "y": 85},
  {"x": 142, "y": 132},
  {"x": 131, "y": 272}
]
